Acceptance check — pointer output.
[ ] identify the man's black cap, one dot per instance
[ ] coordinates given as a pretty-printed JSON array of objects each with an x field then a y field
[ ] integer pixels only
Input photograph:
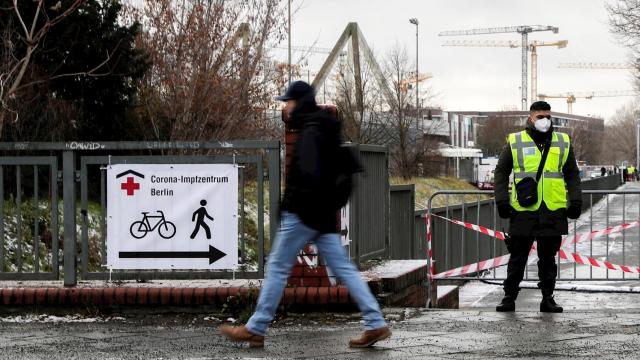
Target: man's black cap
[
  {"x": 296, "y": 90},
  {"x": 540, "y": 106}
]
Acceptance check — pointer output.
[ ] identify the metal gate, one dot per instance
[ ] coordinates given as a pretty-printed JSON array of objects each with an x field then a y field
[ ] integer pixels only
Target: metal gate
[{"x": 603, "y": 244}]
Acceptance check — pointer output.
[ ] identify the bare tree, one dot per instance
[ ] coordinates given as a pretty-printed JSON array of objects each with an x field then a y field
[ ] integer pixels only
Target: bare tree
[
  {"x": 584, "y": 142},
  {"x": 211, "y": 78},
  {"x": 409, "y": 147},
  {"x": 621, "y": 135},
  {"x": 16, "y": 58},
  {"x": 361, "y": 124},
  {"x": 624, "y": 21},
  {"x": 493, "y": 132},
  {"x": 397, "y": 124}
]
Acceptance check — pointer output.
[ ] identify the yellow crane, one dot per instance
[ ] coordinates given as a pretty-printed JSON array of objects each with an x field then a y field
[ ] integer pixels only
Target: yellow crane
[
  {"x": 597, "y": 65},
  {"x": 524, "y": 31},
  {"x": 405, "y": 84},
  {"x": 533, "y": 46},
  {"x": 572, "y": 96}
]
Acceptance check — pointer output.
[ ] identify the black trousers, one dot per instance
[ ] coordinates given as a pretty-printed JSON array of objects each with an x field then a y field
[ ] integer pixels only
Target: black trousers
[{"x": 519, "y": 247}]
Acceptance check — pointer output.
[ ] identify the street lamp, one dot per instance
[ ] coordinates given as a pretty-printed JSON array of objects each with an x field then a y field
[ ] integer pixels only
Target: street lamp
[
  {"x": 638, "y": 144},
  {"x": 415, "y": 22},
  {"x": 289, "y": 40}
]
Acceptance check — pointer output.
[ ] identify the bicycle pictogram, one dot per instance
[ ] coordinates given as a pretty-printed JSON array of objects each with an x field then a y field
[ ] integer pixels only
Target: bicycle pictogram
[{"x": 141, "y": 228}]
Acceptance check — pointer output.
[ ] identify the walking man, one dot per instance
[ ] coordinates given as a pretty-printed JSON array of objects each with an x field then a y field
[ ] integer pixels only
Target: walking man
[
  {"x": 537, "y": 208},
  {"x": 198, "y": 217},
  {"x": 312, "y": 198}
]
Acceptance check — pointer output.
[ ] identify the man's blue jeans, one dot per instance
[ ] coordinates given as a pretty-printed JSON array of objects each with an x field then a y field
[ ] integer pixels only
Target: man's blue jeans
[{"x": 292, "y": 237}]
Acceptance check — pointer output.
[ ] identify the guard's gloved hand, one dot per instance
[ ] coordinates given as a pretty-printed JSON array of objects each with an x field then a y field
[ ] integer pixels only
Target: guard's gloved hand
[
  {"x": 574, "y": 210},
  {"x": 505, "y": 210}
]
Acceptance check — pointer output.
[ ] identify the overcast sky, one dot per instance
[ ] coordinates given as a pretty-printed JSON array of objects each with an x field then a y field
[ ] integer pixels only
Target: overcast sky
[{"x": 481, "y": 78}]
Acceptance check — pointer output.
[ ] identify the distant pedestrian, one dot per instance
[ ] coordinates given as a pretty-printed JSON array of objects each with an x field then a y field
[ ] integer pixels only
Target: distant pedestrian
[
  {"x": 545, "y": 170},
  {"x": 312, "y": 198},
  {"x": 625, "y": 173},
  {"x": 603, "y": 171}
]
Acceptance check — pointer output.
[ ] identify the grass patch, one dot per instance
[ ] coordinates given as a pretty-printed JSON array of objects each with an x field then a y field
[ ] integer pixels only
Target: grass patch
[
  {"x": 425, "y": 187},
  {"x": 20, "y": 242}
]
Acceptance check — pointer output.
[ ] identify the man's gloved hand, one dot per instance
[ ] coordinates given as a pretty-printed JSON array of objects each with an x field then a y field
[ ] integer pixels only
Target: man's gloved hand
[
  {"x": 574, "y": 210},
  {"x": 504, "y": 209}
]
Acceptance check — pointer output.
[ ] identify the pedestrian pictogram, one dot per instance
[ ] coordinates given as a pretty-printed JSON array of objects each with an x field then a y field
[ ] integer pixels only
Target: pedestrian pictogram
[
  {"x": 141, "y": 228},
  {"x": 198, "y": 216},
  {"x": 130, "y": 185}
]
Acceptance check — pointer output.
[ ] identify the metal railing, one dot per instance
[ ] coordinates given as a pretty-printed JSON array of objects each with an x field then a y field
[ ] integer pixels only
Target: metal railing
[
  {"x": 29, "y": 218},
  {"x": 401, "y": 223},
  {"x": 369, "y": 206},
  {"x": 29, "y": 240},
  {"x": 78, "y": 250}
]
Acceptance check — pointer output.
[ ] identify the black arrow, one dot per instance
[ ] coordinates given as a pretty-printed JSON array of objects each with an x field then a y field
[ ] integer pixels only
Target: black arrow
[{"x": 213, "y": 254}]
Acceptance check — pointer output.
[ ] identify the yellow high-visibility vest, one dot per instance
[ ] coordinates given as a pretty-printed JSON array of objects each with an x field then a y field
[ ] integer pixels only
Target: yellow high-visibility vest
[{"x": 526, "y": 159}]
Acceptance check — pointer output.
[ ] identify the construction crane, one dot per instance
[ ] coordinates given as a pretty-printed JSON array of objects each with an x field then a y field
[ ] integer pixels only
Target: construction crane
[
  {"x": 595, "y": 65},
  {"x": 524, "y": 30},
  {"x": 533, "y": 46},
  {"x": 483, "y": 43},
  {"x": 572, "y": 96},
  {"x": 405, "y": 84},
  {"x": 309, "y": 49}
]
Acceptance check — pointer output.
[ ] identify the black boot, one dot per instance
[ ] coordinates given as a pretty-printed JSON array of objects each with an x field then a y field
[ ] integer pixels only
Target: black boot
[
  {"x": 508, "y": 303},
  {"x": 548, "y": 304}
]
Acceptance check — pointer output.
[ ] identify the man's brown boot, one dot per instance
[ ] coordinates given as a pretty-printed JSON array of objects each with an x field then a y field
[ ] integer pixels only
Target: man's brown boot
[
  {"x": 241, "y": 334},
  {"x": 370, "y": 337}
]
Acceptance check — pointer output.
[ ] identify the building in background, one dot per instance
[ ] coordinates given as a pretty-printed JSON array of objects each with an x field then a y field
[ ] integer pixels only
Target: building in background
[{"x": 469, "y": 138}]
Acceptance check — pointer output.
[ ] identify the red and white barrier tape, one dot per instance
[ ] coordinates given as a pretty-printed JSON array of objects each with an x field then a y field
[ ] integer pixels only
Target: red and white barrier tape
[
  {"x": 565, "y": 256},
  {"x": 472, "y": 268},
  {"x": 481, "y": 229},
  {"x": 599, "y": 233},
  {"x": 577, "y": 238},
  {"x": 429, "y": 251},
  {"x": 504, "y": 259},
  {"x": 586, "y": 260}
]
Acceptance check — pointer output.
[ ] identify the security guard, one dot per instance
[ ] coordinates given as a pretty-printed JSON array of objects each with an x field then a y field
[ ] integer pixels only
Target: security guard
[
  {"x": 543, "y": 220},
  {"x": 631, "y": 173}
]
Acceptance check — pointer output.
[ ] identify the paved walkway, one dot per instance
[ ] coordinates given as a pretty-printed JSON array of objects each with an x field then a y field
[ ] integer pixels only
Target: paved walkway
[{"x": 606, "y": 326}]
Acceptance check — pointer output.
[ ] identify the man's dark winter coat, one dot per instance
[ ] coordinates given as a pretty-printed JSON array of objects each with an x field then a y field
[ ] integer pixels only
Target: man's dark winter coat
[
  {"x": 542, "y": 222},
  {"x": 311, "y": 179}
]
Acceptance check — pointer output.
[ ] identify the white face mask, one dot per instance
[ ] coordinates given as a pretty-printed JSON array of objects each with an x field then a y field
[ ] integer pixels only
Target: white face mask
[{"x": 542, "y": 125}]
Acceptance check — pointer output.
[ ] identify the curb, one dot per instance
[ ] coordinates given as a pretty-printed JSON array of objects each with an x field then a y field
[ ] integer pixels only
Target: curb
[{"x": 167, "y": 296}]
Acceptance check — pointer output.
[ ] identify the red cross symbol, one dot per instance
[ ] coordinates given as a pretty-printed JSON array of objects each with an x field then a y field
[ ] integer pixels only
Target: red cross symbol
[{"x": 130, "y": 186}]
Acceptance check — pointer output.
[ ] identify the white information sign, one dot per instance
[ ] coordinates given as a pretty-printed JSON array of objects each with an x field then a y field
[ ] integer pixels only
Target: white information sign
[
  {"x": 345, "y": 236},
  {"x": 176, "y": 216}
]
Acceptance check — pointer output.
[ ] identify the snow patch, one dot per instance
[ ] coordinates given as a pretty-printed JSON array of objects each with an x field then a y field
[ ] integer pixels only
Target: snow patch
[{"x": 22, "y": 319}]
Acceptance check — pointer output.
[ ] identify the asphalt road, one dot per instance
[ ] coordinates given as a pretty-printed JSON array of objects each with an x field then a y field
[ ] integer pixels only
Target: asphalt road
[{"x": 474, "y": 333}]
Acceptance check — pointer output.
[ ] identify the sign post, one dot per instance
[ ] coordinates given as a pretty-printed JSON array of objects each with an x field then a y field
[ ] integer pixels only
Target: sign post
[{"x": 172, "y": 216}]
